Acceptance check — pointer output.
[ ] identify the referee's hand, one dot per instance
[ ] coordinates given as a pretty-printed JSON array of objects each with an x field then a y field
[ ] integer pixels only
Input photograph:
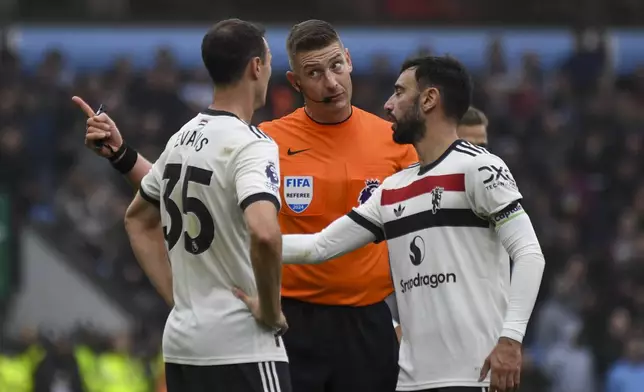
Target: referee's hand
[
  {"x": 278, "y": 326},
  {"x": 99, "y": 128},
  {"x": 505, "y": 364}
]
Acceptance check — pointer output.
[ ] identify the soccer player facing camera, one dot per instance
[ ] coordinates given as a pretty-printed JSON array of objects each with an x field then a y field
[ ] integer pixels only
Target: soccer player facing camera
[{"x": 450, "y": 223}]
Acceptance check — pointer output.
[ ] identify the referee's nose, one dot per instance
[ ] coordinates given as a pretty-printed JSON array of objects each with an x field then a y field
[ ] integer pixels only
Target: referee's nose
[{"x": 330, "y": 82}]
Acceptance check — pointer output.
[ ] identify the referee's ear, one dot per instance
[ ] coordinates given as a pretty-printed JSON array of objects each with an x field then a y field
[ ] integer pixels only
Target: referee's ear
[
  {"x": 348, "y": 58},
  {"x": 292, "y": 79}
]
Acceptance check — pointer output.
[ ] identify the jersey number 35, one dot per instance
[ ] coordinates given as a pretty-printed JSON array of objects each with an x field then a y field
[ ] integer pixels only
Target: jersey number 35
[{"x": 191, "y": 205}]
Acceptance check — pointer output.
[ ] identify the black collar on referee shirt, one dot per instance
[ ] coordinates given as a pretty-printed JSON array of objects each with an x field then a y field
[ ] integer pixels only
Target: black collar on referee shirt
[
  {"x": 214, "y": 112},
  {"x": 430, "y": 166}
]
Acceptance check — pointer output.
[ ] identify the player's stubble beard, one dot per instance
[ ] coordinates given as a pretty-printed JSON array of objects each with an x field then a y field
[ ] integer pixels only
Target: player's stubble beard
[{"x": 410, "y": 128}]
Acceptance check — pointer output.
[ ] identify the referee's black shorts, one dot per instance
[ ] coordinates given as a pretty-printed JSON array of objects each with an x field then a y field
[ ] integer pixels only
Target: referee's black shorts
[
  {"x": 340, "y": 348},
  {"x": 243, "y": 377}
]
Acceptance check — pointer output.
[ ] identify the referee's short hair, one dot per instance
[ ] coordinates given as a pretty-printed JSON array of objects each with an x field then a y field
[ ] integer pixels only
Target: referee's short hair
[
  {"x": 312, "y": 34},
  {"x": 473, "y": 117},
  {"x": 228, "y": 47}
]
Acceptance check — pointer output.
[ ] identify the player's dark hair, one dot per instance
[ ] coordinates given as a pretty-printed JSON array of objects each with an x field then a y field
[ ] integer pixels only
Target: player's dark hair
[
  {"x": 310, "y": 35},
  {"x": 227, "y": 48},
  {"x": 449, "y": 76},
  {"x": 472, "y": 117}
]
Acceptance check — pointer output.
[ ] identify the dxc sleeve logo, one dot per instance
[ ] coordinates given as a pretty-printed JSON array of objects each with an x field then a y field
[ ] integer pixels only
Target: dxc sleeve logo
[{"x": 498, "y": 176}]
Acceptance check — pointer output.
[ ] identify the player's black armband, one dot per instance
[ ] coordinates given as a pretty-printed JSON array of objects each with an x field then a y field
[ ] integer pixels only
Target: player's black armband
[{"x": 124, "y": 159}]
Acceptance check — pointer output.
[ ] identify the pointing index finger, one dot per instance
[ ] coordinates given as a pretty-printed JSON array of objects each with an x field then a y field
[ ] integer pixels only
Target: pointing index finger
[{"x": 89, "y": 112}]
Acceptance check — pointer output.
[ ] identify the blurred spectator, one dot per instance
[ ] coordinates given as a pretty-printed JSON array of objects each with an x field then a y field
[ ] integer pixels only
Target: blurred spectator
[
  {"x": 569, "y": 364},
  {"x": 627, "y": 375}
]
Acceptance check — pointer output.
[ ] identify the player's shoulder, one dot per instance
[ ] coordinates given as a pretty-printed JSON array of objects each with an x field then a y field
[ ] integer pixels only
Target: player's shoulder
[
  {"x": 232, "y": 133},
  {"x": 470, "y": 156},
  {"x": 402, "y": 177},
  {"x": 475, "y": 157},
  {"x": 243, "y": 134}
]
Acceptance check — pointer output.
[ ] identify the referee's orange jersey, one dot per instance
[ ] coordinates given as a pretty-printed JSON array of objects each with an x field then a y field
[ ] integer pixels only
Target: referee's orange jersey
[{"x": 327, "y": 169}]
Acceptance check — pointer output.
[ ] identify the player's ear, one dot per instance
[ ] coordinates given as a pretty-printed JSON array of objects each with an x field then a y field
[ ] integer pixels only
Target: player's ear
[
  {"x": 256, "y": 67},
  {"x": 348, "y": 57},
  {"x": 292, "y": 79},
  {"x": 429, "y": 99}
]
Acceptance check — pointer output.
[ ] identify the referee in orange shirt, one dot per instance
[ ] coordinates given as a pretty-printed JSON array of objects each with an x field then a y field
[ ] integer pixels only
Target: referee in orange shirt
[{"x": 332, "y": 156}]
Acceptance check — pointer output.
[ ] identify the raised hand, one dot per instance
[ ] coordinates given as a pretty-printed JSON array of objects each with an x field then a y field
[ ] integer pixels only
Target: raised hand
[{"x": 100, "y": 128}]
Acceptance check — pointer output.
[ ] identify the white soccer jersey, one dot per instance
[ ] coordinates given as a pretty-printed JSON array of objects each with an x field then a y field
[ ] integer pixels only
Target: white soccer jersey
[
  {"x": 209, "y": 172},
  {"x": 450, "y": 270}
]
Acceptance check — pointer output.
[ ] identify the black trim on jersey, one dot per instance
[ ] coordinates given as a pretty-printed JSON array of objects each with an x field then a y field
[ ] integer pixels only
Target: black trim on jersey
[
  {"x": 149, "y": 198},
  {"x": 335, "y": 123},
  {"x": 467, "y": 147},
  {"x": 444, "y": 217},
  {"x": 430, "y": 166},
  {"x": 463, "y": 151},
  {"x": 215, "y": 112},
  {"x": 474, "y": 147},
  {"x": 258, "y": 197},
  {"x": 258, "y": 132},
  {"x": 366, "y": 223}
]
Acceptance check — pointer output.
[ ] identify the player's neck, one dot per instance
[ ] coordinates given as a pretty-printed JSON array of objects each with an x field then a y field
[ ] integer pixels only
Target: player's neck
[
  {"x": 235, "y": 101},
  {"x": 325, "y": 114},
  {"x": 435, "y": 142}
]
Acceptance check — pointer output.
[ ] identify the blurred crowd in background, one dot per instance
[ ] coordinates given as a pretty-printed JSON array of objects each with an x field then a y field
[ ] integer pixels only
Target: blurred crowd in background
[{"x": 573, "y": 137}]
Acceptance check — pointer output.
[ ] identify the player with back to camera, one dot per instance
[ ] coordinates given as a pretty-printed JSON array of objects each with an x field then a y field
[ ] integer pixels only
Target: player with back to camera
[
  {"x": 333, "y": 156},
  {"x": 450, "y": 223},
  {"x": 213, "y": 197}
]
